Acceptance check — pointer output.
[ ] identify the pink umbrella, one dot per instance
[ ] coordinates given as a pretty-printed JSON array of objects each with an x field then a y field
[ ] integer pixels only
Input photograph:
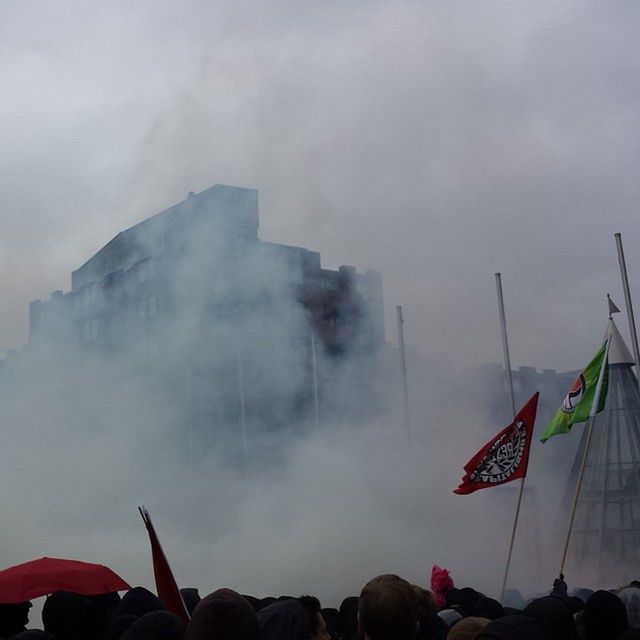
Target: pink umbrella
[{"x": 46, "y": 575}]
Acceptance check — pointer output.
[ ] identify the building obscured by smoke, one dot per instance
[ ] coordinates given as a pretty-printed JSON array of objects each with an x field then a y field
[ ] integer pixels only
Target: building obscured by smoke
[{"x": 219, "y": 322}]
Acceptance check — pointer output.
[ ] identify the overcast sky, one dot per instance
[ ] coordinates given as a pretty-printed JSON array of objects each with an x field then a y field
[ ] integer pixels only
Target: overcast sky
[{"x": 437, "y": 142}]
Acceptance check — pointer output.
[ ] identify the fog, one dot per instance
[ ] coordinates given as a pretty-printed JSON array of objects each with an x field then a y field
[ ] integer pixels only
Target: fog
[
  {"x": 434, "y": 142},
  {"x": 338, "y": 507}
]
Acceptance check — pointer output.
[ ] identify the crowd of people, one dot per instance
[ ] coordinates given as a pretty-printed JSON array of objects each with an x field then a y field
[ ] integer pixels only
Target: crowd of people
[{"x": 388, "y": 608}]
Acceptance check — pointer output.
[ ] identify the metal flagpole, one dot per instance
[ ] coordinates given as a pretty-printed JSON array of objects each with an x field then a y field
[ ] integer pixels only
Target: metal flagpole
[
  {"x": 505, "y": 342},
  {"x": 314, "y": 368},
  {"x": 583, "y": 464},
  {"x": 403, "y": 369},
  {"x": 507, "y": 366},
  {"x": 627, "y": 300},
  {"x": 243, "y": 416}
]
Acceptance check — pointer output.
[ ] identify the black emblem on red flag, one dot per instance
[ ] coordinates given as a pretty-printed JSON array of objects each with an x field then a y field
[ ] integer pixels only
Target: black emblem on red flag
[{"x": 503, "y": 457}]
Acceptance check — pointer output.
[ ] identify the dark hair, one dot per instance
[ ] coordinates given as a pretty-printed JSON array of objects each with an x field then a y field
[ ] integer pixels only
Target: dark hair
[
  {"x": 388, "y": 609},
  {"x": 312, "y": 608}
]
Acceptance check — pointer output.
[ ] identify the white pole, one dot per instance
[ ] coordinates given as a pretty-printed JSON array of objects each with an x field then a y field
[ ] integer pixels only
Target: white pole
[
  {"x": 403, "y": 369},
  {"x": 314, "y": 367},
  {"x": 505, "y": 343},
  {"x": 243, "y": 417},
  {"x": 627, "y": 300},
  {"x": 592, "y": 421},
  {"x": 507, "y": 366}
]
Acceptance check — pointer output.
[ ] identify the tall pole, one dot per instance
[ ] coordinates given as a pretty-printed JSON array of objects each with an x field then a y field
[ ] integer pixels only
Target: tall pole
[
  {"x": 314, "y": 370},
  {"x": 507, "y": 366},
  {"x": 403, "y": 369},
  {"x": 505, "y": 343},
  {"x": 243, "y": 415},
  {"x": 627, "y": 300},
  {"x": 585, "y": 455}
]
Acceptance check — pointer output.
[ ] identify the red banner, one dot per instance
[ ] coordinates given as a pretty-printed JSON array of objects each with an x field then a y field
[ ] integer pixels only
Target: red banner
[
  {"x": 505, "y": 457},
  {"x": 166, "y": 586}
]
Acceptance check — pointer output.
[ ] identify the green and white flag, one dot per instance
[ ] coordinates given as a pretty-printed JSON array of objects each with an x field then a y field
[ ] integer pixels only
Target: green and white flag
[{"x": 578, "y": 403}]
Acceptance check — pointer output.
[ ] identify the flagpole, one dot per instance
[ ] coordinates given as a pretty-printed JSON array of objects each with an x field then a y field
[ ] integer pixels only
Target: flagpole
[
  {"x": 314, "y": 369},
  {"x": 507, "y": 366},
  {"x": 585, "y": 455},
  {"x": 243, "y": 414},
  {"x": 505, "y": 342},
  {"x": 403, "y": 369},
  {"x": 627, "y": 300}
]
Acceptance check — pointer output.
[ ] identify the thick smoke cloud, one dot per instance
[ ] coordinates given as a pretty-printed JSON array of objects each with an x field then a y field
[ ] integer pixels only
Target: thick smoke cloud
[
  {"x": 333, "y": 509},
  {"x": 436, "y": 142}
]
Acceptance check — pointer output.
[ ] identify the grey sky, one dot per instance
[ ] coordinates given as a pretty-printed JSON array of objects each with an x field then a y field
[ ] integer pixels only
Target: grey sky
[{"x": 437, "y": 142}]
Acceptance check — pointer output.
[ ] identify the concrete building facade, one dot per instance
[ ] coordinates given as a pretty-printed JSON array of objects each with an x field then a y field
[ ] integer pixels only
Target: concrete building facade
[{"x": 195, "y": 286}]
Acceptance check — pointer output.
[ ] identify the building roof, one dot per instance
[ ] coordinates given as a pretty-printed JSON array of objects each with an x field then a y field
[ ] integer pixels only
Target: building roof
[{"x": 618, "y": 351}]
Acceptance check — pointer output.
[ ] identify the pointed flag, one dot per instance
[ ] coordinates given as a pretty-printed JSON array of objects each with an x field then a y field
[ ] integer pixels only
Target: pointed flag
[
  {"x": 612, "y": 305},
  {"x": 166, "y": 586},
  {"x": 505, "y": 457},
  {"x": 578, "y": 402}
]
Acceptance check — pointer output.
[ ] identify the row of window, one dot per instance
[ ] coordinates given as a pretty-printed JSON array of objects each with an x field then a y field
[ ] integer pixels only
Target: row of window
[
  {"x": 147, "y": 309},
  {"x": 92, "y": 295}
]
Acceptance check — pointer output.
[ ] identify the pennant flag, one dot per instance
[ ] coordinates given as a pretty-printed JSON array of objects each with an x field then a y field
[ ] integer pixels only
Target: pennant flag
[
  {"x": 578, "y": 402},
  {"x": 505, "y": 457},
  {"x": 613, "y": 308},
  {"x": 166, "y": 586}
]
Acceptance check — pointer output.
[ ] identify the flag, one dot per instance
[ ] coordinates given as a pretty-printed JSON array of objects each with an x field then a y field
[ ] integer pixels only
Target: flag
[
  {"x": 613, "y": 308},
  {"x": 505, "y": 457},
  {"x": 166, "y": 586},
  {"x": 578, "y": 402}
]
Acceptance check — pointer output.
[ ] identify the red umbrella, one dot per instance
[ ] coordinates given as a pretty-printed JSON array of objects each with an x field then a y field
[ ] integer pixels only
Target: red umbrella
[{"x": 46, "y": 575}]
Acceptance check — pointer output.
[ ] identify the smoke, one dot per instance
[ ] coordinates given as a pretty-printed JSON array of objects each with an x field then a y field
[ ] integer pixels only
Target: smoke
[
  {"x": 436, "y": 143},
  {"x": 313, "y": 510},
  {"x": 202, "y": 411},
  {"x": 341, "y": 505}
]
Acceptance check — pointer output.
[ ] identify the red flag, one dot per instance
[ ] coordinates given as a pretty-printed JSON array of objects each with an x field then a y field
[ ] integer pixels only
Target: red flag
[
  {"x": 166, "y": 586},
  {"x": 505, "y": 457}
]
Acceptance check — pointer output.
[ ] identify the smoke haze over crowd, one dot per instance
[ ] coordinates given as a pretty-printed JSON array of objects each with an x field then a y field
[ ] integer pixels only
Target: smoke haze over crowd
[{"x": 434, "y": 142}]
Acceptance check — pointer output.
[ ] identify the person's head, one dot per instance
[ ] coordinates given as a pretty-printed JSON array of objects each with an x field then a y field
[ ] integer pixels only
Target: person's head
[
  {"x": 555, "y": 616},
  {"x": 467, "y": 628},
  {"x": 464, "y": 600},
  {"x": 116, "y": 628},
  {"x": 388, "y": 609},
  {"x": 223, "y": 615},
  {"x": 514, "y": 628},
  {"x": 157, "y": 625},
  {"x": 317, "y": 623},
  {"x": 332, "y": 619},
  {"x": 605, "y": 616},
  {"x": 348, "y": 618},
  {"x": 285, "y": 619},
  {"x": 426, "y": 601},
  {"x": 488, "y": 608},
  {"x": 69, "y": 616},
  {"x": 630, "y": 597},
  {"x": 137, "y": 602},
  {"x": 105, "y": 605},
  {"x": 13, "y": 618}
]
